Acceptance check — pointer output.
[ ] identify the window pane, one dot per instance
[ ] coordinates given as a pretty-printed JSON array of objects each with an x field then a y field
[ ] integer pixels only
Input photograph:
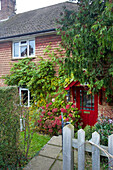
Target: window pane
[
  {"x": 23, "y": 51},
  {"x": 23, "y": 43},
  {"x": 16, "y": 49},
  {"x": 31, "y": 47},
  {"x": 0, "y": 5},
  {"x": 24, "y": 97},
  {"x": 86, "y": 101}
]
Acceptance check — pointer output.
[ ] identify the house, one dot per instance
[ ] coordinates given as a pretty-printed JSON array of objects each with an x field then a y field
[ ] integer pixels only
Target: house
[{"x": 27, "y": 35}]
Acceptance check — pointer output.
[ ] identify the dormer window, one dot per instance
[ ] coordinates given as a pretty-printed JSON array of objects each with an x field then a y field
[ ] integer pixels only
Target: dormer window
[{"x": 22, "y": 49}]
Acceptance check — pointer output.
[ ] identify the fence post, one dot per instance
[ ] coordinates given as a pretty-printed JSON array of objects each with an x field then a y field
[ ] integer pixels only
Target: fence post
[
  {"x": 81, "y": 149},
  {"x": 110, "y": 150},
  {"x": 68, "y": 151},
  {"x": 95, "y": 152}
]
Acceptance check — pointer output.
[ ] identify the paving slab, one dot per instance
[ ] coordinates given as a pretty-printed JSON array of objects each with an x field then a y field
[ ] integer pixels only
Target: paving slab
[
  {"x": 58, "y": 165},
  {"x": 39, "y": 163},
  {"x": 50, "y": 151},
  {"x": 56, "y": 140}
]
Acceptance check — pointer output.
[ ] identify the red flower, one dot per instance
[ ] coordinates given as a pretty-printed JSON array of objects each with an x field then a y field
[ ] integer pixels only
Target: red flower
[
  {"x": 68, "y": 106},
  {"x": 50, "y": 103}
]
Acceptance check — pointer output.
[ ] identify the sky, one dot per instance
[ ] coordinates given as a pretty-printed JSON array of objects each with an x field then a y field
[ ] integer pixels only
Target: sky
[{"x": 27, "y": 5}]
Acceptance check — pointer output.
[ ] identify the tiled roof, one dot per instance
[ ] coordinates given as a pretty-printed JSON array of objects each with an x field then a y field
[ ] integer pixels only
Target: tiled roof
[{"x": 39, "y": 20}]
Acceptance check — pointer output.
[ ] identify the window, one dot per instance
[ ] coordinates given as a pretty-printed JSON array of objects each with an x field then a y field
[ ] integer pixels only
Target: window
[
  {"x": 0, "y": 5},
  {"x": 24, "y": 97},
  {"x": 86, "y": 101},
  {"x": 23, "y": 49}
]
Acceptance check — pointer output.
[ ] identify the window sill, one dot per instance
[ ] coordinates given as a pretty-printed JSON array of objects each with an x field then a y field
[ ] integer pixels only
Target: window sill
[{"x": 20, "y": 58}]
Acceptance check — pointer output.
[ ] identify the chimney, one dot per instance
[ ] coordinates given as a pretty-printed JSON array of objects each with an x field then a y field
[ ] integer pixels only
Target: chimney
[{"x": 7, "y": 9}]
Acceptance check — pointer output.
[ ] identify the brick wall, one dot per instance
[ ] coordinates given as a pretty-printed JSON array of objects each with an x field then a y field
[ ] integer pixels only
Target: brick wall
[
  {"x": 7, "y": 9},
  {"x": 105, "y": 108},
  {"x": 41, "y": 43},
  {"x": 5, "y": 59}
]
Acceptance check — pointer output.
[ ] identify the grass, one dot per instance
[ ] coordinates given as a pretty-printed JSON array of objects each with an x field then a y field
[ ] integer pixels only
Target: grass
[{"x": 37, "y": 143}]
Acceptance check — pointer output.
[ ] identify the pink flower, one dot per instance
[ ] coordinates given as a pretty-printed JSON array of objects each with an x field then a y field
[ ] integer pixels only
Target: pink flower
[
  {"x": 67, "y": 106},
  {"x": 60, "y": 131},
  {"x": 50, "y": 130},
  {"x": 63, "y": 110},
  {"x": 54, "y": 110},
  {"x": 73, "y": 106},
  {"x": 60, "y": 117},
  {"x": 41, "y": 116},
  {"x": 51, "y": 117},
  {"x": 47, "y": 105},
  {"x": 43, "y": 112},
  {"x": 45, "y": 127},
  {"x": 53, "y": 124},
  {"x": 70, "y": 115},
  {"x": 50, "y": 103},
  {"x": 67, "y": 119},
  {"x": 49, "y": 113},
  {"x": 38, "y": 121},
  {"x": 49, "y": 126},
  {"x": 43, "y": 107}
]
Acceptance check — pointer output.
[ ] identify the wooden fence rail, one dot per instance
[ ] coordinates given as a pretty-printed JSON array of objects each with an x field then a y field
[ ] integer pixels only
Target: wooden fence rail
[{"x": 93, "y": 146}]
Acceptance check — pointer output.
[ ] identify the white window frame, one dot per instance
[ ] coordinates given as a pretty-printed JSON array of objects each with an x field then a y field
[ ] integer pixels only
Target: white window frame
[
  {"x": 20, "y": 45},
  {"x": 20, "y": 94},
  {"x": 0, "y": 5}
]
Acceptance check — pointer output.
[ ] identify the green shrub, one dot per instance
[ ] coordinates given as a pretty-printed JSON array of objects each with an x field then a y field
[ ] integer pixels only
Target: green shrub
[
  {"x": 104, "y": 127},
  {"x": 9, "y": 127}
]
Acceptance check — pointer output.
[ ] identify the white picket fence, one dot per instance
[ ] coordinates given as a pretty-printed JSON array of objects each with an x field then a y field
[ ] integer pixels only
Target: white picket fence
[{"x": 69, "y": 143}]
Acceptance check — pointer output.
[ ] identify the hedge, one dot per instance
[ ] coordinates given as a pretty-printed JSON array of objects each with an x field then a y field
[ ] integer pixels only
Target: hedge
[{"x": 9, "y": 127}]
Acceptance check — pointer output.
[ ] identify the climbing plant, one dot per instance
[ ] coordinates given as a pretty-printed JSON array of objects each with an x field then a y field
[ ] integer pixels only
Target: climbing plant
[{"x": 87, "y": 36}]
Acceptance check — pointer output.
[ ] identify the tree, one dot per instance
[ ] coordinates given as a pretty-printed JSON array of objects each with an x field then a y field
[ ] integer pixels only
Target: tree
[{"x": 87, "y": 36}]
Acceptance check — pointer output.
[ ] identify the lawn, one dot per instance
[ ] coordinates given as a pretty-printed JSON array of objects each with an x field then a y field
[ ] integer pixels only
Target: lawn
[{"x": 37, "y": 142}]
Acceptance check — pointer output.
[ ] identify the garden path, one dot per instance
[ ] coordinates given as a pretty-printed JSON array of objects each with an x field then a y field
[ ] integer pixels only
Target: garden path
[{"x": 50, "y": 156}]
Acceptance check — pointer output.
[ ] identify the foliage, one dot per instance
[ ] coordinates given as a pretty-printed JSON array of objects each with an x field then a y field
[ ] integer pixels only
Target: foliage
[
  {"x": 104, "y": 127},
  {"x": 50, "y": 119},
  {"x": 86, "y": 36},
  {"x": 10, "y": 154},
  {"x": 39, "y": 78},
  {"x": 37, "y": 142}
]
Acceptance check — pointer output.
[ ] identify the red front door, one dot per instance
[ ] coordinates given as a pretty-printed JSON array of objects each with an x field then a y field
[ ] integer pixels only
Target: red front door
[{"x": 88, "y": 105}]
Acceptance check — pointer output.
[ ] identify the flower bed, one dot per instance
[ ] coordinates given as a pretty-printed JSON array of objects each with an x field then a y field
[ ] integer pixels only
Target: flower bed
[{"x": 50, "y": 119}]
